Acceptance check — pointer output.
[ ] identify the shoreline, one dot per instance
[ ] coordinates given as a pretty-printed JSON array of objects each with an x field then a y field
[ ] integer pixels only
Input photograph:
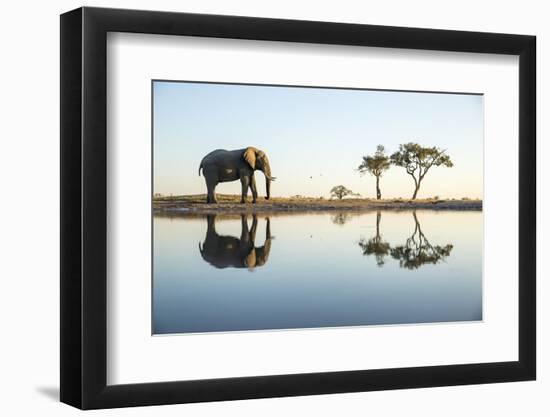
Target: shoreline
[{"x": 231, "y": 204}]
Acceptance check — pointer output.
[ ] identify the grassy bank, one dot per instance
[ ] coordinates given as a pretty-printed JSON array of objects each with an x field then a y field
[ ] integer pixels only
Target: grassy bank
[{"x": 231, "y": 204}]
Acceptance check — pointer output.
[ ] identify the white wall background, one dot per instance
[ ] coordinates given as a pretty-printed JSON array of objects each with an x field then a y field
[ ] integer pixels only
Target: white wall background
[{"x": 29, "y": 226}]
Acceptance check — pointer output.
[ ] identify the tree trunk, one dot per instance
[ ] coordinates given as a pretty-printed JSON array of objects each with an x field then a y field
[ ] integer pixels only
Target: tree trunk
[
  {"x": 378, "y": 193},
  {"x": 416, "y": 191}
]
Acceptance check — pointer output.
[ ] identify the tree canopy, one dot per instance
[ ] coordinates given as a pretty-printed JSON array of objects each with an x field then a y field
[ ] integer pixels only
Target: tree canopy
[
  {"x": 339, "y": 191},
  {"x": 375, "y": 165},
  {"x": 417, "y": 160}
]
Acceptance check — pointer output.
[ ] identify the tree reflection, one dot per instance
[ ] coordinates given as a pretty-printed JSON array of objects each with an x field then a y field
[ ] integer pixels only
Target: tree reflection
[
  {"x": 375, "y": 245},
  {"x": 341, "y": 218},
  {"x": 418, "y": 251}
]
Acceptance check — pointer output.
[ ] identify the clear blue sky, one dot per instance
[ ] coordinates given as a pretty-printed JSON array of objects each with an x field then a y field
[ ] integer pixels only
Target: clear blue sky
[{"x": 315, "y": 137}]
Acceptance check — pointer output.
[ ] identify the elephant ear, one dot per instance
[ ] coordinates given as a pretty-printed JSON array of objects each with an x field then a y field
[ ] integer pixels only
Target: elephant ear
[
  {"x": 262, "y": 254},
  {"x": 250, "y": 260},
  {"x": 250, "y": 156}
]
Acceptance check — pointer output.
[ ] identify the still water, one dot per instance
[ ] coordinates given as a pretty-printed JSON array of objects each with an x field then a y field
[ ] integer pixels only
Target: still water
[{"x": 282, "y": 271}]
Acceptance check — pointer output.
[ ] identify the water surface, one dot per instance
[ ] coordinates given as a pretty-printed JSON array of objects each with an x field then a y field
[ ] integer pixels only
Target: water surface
[{"x": 283, "y": 271}]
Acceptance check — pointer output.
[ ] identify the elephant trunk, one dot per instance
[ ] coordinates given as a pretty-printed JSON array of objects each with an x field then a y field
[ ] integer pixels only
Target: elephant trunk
[
  {"x": 268, "y": 179},
  {"x": 267, "y": 188}
]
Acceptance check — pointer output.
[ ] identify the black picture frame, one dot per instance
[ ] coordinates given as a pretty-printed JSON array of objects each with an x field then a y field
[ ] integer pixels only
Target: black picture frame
[{"x": 84, "y": 207}]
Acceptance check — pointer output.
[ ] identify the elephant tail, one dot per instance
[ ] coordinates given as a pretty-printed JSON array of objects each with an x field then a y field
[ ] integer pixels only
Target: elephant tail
[{"x": 200, "y": 167}]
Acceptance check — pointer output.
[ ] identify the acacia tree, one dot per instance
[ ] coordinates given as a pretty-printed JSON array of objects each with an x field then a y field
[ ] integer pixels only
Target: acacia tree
[
  {"x": 375, "y": 165},
  {"x": 418, "y": 160},
  {"x": 339, "y": 191}
]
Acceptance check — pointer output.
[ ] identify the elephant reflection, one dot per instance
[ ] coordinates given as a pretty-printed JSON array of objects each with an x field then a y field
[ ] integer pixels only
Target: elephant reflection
[
  {"x": 223, "y": 251},
  {"x": 375, "y": 245},
  {"x": 416, "y": 251}
]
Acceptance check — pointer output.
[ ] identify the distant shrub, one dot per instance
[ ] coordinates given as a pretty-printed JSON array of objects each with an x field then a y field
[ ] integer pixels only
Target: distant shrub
[
  {"x": 465, "y": 199},
  {"x": 339, "y": 192}
]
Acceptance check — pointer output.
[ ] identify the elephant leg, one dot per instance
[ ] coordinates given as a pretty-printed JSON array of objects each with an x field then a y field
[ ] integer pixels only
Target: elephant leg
[
  {"x": 253, "y": 228},
  {"x": 214, "y": 199},
  {"x": 211, "y": 223},
  {"x": 245, "y": 182},
  {"x": 253, "y": 189},
  {"x": 211, "y": 190},
  {"x": 244, "y": 229},
  {"x": 207, "y": 189},
  {"x": 210, "y": 195}
]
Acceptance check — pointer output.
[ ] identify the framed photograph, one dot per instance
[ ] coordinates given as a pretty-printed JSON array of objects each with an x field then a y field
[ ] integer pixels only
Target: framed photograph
[{"x": 257, "y": 208}]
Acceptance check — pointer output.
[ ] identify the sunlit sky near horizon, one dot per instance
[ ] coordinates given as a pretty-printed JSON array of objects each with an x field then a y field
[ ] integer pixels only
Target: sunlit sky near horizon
[{"x": 314, "y": 137}]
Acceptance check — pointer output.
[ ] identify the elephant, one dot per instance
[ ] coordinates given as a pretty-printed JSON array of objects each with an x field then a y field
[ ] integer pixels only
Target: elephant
[
  {"x": 224, "y": 166},
  {"x": 223, "y": 251}
]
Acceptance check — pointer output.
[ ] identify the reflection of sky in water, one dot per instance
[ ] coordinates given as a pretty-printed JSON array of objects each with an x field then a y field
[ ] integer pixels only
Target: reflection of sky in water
[{"x": 316, "y": 271}]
